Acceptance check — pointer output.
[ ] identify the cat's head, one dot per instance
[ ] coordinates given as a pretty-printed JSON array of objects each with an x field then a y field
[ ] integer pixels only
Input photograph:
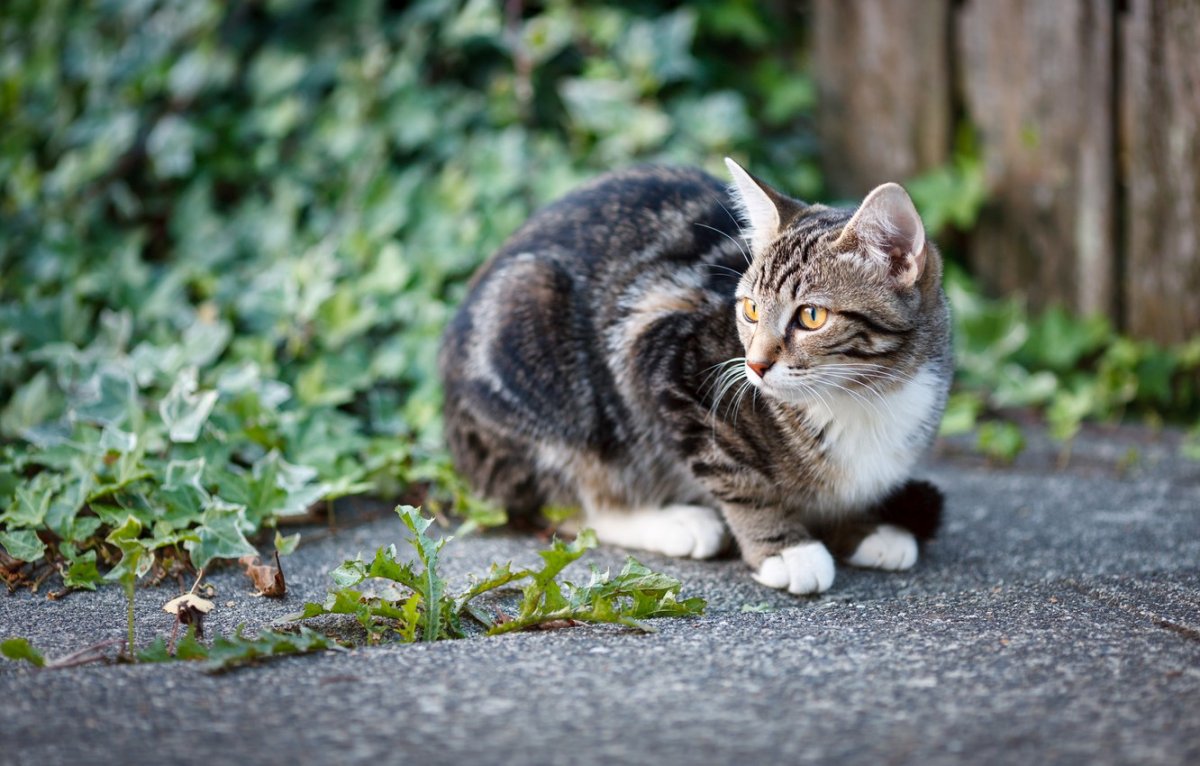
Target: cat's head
[{"x": 833, "y": 299}]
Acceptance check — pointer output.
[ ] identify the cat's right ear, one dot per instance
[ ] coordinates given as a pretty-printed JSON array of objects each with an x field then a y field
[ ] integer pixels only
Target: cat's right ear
[
  {"x": 887, "y": 230},
  {"x": 760, "y": 206}
]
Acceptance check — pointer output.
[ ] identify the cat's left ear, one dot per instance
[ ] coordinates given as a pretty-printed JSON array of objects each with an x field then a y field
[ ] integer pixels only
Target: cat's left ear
[
  {"x": 764, "y": 209},
  {"x": 887, "y": 229}
]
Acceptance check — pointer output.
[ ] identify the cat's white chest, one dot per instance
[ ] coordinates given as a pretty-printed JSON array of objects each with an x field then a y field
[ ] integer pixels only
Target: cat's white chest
[{"x": 873, "y": 441}]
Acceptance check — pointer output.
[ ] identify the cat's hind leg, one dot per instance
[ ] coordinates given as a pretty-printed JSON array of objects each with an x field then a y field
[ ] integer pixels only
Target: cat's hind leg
[
  {"x": 886, "y": 547},
  {"x": 682, "y": 531},
  {"x": 636, "y": 505},
  {"x": 888, "y": 537}
]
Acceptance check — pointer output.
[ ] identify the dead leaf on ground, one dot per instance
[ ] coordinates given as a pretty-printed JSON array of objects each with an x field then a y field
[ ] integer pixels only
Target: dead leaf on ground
[
  {"x": 190, "y": 610},
  {"x": 267, "y": 578},
  {"x": 189, "y": 601}
]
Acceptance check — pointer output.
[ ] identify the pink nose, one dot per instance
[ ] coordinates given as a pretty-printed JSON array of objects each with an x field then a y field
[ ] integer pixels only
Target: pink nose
[{"x": 760, "y": 368}]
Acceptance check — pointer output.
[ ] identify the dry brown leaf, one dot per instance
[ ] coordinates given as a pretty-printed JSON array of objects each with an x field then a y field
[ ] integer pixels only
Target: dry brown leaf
[
  {"x": 267, "y": 578},
  {"x": 189, "y": 609},
  {"x": 189, "y": 601}
]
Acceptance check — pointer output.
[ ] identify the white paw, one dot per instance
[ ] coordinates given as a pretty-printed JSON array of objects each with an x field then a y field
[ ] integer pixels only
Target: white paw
[
  {"x": 888, "y": 547},
  {"x": 805, "y": 568},
  {"x": 683, "y": 531},
  {"x": 690, "y": 531}
]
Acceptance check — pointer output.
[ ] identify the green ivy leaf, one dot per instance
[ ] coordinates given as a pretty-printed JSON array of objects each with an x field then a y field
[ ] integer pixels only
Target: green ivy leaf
[
  {"x": 136, "y": 560},
  {"x": 220, "y": 535},
  {"x": 156, "y": 651},
  {"x": 23, "y": 544},
  {"x": 190, "y": 648},
  {"x": 21, "y": 649},
  {"x": 286, "y": 545},
  {"x": 82, "y": 572},
  {"x": 184, "y": 411},
  {"x": 31, "y": 503}
]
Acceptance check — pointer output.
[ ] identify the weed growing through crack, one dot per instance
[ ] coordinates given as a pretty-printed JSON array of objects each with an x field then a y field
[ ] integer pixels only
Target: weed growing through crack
[
  {"x": 416, "y": 603},
  {"x": 419, "y": 605}
]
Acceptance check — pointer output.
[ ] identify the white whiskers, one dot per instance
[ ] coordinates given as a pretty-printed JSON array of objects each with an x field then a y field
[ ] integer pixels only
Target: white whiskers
[{"x": 740, "y": 247}]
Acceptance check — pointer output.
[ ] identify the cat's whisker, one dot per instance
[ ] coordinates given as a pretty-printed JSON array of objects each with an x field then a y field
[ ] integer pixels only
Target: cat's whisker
[
  {"x": 816, "y": 393},
  {"x": 864, "y": 378},
  {"x": 741, "y": 229},
  {"x": 870, "y": 432},
  {"x": 728, "y": 272},
  {"x": 724, "y": 384},
  {"x": 746, "y": 384},
  {"x": 868, "y": 368},
  {"x": 832, "y": 382},
  {"x": 813, "y": 391},
  {"x": 731, "y": 239},
  {"x": 728, "y": 375},
  {"x": 864, "y": 399},
  {"x": 715, "y": 368},
  {"x": 864, "y": 366}
]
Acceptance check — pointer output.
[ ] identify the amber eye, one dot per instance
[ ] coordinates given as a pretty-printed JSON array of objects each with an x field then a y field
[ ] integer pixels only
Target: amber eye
[
  {"x": 812, "y": 317},
  {"x": 750, "y": 309}
]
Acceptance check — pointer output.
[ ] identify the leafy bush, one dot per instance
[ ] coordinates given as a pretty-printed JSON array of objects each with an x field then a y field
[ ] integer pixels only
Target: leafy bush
[
  {"x": 1071, "y": 369},
  {"x": 231, "y": 234}
]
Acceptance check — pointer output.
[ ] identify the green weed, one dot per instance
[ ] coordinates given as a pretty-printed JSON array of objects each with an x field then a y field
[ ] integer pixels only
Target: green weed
[{"x": 417, "y": 604}]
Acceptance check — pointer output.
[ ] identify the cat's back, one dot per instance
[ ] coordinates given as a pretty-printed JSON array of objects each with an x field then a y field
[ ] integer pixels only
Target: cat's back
[
  {"x": 638, "y": 212},
  {"x": 574, "y": 265},
  {"x": 529, "y": 352}
]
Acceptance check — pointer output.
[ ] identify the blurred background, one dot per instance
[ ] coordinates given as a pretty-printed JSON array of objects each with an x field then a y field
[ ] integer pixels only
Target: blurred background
[{"x": 231, "y": 232}]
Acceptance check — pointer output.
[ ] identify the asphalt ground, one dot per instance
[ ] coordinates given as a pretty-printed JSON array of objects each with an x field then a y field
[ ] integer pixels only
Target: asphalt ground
[{"x": 1055, "y": 620}]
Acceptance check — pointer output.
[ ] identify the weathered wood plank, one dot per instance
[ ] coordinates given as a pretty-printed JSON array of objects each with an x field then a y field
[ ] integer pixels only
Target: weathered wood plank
[
  {"x": 1160, "y": 155},
  {"x": 882, "y": 71},
  {"x": 1037, "y": 82}
]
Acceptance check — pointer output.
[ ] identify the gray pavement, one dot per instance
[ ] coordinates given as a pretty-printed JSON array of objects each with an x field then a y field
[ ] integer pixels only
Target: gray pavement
[{"x": 1056, "y": 620}]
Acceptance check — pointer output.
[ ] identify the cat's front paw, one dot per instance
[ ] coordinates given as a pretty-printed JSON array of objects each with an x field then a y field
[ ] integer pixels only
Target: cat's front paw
[
  {"x": 888, "y": 547},
  {"x": 804, "y": 568}
]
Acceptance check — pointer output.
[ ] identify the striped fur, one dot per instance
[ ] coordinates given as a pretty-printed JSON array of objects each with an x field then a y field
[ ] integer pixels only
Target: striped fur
[{"x": 599, "y": 361}]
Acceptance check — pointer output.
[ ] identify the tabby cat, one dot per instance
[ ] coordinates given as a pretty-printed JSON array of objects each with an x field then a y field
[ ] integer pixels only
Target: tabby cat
[{"x": 626, "y": 354}]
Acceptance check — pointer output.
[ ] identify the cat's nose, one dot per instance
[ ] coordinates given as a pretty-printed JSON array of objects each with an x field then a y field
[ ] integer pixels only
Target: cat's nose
[{"x": 760, "y": 368}]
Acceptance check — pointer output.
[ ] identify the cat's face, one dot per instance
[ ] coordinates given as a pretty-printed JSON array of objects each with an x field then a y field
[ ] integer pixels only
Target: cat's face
[{"x": 831, "y": 301}]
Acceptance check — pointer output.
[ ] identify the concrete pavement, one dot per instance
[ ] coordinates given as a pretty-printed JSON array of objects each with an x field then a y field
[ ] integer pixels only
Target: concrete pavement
[{"x": 1056, "y": 620}]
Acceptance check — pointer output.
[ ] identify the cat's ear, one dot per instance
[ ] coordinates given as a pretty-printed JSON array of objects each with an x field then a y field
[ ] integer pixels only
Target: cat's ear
[
  {"x": 887, "y": 229},
  {"x": 761, "y": 206}
]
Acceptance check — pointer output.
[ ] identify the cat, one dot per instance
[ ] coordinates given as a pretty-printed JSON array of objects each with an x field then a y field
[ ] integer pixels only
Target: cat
[{"x": 625, "y": 352}]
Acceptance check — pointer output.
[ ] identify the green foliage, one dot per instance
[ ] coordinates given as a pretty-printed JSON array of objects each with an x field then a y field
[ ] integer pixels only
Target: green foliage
[
  {"x": 230, "y": 235},
  {"x": 417, "y": 605},
  {"x": 1000, "y": 441},
  {"x": 1191, "y": 445},
  {"x": 1068, "y": 368},
  {"x": 1072, "y": 369},
  {"x": 953, "y": 194},
  {"x": 230, "y": 652},
  {"x": 20, "y": 649},
  {"x": 760, "y": 608}
]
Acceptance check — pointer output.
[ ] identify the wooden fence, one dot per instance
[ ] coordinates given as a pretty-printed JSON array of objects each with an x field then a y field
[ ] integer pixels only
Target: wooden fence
[{"x": 1088, "y": 114}]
